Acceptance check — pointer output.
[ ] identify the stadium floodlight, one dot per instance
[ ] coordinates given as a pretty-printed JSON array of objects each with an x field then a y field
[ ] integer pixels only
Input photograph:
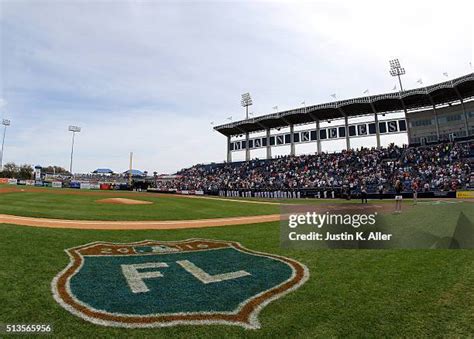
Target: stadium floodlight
[
  {"x": 5, "y": 123},
  {"x": 246, "y": 101},
  {"x": 74, "y": 130},
  {"x": 396, "y": 70}
]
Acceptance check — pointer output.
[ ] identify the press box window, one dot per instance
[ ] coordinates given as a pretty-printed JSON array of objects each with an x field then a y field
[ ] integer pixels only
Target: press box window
[
  {"x": 322, "y": 134},
  {"x": 305, "y": 136},
  {"x": 402, "y": 125},
  {"x": 352, "y": 131},
  {"x": 372, "y": 128},
  {"x": 392, "y": 126},
  {"x": 342, "y": 132},
  {"x": 332, "y": 133}
]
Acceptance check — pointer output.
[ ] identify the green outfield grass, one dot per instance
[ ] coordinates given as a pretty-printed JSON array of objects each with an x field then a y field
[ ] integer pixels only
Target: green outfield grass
[
  {"x": 85, "y": 207},
  {"x": 60, "y": 204},
  {"x": 355, "y": 293}
]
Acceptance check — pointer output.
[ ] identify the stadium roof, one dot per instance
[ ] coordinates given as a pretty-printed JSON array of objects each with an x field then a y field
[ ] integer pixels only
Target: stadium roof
[
  {"x": 442, "y": 93},
  {"x": 103, "y": 171}
]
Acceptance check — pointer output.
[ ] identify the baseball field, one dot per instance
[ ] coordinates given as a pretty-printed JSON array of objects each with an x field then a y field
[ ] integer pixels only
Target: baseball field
[{"x": 356, "y": 293}]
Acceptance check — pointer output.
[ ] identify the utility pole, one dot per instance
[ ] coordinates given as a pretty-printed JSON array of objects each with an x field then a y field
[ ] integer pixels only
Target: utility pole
[
  {"x": 5, "y": 123},
  {"x": 130, "y": 170},
  {"x": 74, "y": 130}
]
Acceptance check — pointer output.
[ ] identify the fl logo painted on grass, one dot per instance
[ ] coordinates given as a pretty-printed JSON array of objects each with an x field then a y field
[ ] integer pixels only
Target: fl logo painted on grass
[{"x": 157, "y": 283}]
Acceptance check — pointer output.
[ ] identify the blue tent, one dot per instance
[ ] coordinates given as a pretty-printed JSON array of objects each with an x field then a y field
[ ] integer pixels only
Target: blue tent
[
  {"x": 134, "y": 172},
  {"x": 103, "y": 171}
]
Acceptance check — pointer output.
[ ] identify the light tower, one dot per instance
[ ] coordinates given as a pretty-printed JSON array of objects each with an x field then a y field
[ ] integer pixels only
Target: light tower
[
  {"x": 74, "y": 130},
  {"x": 5, "y": 123},
  {"x": 396, "y": 70},
  {"x": 246, "y": 102}
]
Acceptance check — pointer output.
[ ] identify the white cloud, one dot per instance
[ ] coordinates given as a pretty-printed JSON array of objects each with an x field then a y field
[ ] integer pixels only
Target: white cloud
[{"x": 149, "y": 77}]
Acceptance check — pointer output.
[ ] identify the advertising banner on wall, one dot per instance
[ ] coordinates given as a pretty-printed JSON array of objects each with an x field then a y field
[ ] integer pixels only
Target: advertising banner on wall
[
  {"x": 105, "y": 186},
  {"x": 465, "y": 194},
  {"x": 85, "y": 186},
  {"x": 12, "y": 181},
  {"x": 57, "y": 184},
  {"x": 30, "y": 182}
]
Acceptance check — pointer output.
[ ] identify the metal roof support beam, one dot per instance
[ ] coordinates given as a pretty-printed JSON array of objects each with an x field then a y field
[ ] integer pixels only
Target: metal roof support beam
[
  {"x": 466, "y": 125},
  {"x": 229, "y": 153},
  {"x": 292, "y": 139},
  {"x": 435, "y": 115},
  {"x": 377, "y": 129},
  {"x": 406, "y": 119},
  {"x": 346, "y": 124},
  {"x": 318, "y": 139},
  {"x": 292, "y": 136},
  {"x": 269, "y": 148},
  {"x": 247, "y": 149},
  {"x": 436, "y": 121}
]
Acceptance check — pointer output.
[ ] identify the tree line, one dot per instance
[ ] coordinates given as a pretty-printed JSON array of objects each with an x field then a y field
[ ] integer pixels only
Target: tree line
[{"x": 26, "y": 172}]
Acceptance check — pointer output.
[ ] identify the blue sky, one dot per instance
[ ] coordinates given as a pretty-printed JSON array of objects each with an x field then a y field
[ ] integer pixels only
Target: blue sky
[{"x": 149, "y": 77}]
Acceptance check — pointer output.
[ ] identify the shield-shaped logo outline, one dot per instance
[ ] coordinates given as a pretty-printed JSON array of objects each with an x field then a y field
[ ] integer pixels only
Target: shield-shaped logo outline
[{"x": 245, "y": 315}]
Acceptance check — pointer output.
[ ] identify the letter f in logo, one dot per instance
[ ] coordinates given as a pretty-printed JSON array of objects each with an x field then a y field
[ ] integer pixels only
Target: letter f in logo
[{"x": 135, "y": 278}]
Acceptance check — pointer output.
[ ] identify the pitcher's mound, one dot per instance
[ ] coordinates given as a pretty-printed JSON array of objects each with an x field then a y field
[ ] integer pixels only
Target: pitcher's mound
[{"x": 124, "y": 201}]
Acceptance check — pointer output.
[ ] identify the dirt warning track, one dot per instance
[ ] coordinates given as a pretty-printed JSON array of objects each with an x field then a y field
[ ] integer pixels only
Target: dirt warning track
[{"x": 135, "y": 225}]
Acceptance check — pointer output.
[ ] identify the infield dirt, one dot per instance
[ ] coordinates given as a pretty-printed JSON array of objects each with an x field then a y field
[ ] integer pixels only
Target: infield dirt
[{"x": 123, "y": 201}]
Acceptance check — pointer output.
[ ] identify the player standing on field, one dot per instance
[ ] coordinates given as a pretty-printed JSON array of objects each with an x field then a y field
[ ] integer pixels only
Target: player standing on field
[
  {"x": 363, "y": 193},
  {"x": 415, "y": 187},
  {"x": 398, "y": 196}
]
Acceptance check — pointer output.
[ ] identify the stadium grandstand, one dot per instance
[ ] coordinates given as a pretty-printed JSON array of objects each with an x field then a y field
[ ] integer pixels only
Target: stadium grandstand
[
  {"x": 433, "y": 170},
  {"x": 444, "y": 111},
  {"x": 437, "y": 121}
]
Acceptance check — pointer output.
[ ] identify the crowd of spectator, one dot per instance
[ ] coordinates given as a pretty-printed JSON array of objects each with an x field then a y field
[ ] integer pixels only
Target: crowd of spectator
[{"x": 443, "y": 166}]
